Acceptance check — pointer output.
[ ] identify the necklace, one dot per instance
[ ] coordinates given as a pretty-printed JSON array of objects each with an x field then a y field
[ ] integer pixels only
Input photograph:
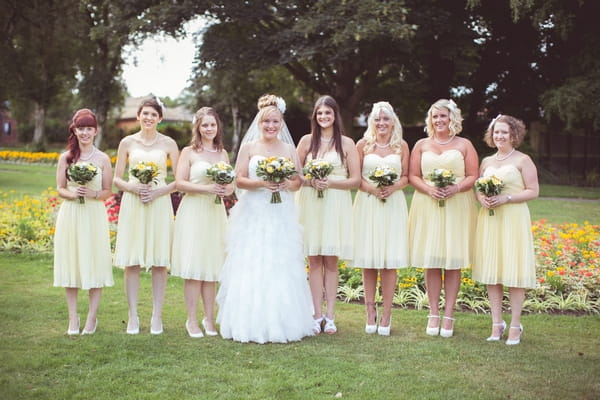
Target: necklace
[
  {"x": 209, "y": 150},
  {"x": 149, "y": 144},
  {"x": 89, "y": 156},
  {"x": 504, "y": 157},
  {"x": 326, "y": 140},
  {"x": 443, "y": 143},
  {"x": 382, "y": 146}
]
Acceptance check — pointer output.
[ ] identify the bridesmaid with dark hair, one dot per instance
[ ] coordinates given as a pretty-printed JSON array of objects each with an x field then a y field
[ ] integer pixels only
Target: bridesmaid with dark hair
[
  {"x": 199, "y": 238},
  {"x": 327, "y": 221},
  {"x": 82, "y": 258},
  {"x": 145, "y": 226}
]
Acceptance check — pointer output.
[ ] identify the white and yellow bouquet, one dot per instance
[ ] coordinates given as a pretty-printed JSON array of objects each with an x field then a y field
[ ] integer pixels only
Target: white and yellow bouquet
[
  {"x": 317, "y": 169},
  {"x": 489, "y": 186},
  {"x": 145, "y": 172},
  {"x": 383, "y": 176},
  {"x": 441, "y": 178},
  {"x": 275, "y": 169},
  {"x": 222, "y": 174},
  {"x": 82, "y": 173}
]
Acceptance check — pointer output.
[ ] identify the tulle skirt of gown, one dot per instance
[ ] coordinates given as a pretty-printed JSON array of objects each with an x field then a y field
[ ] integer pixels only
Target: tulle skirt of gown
[
  {"x": 82, "y": 257},
  {"x": 264, "y": 294}
]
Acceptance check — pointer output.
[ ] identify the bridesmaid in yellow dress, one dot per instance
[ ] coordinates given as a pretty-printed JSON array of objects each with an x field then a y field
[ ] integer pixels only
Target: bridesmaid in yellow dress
[
  {"x": 82, "y": 258},
  {"x": 441, "y": 238},
  {"x": 144, "y": 231},
  {"x": 504, "y": 254},
  {"x": 199, "y": 236},
  {"x": 327, "y": 221},
  {"x": 381, "y": 214}
]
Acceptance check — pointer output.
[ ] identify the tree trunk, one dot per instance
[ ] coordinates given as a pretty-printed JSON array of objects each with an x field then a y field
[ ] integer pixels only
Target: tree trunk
[
  {"x": 40, "y": 119},
  {"x": 235, "y": 140}
]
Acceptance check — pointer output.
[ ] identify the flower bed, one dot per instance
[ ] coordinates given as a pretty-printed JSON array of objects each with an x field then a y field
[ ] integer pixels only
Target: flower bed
[{"x": 568, "y": 259}]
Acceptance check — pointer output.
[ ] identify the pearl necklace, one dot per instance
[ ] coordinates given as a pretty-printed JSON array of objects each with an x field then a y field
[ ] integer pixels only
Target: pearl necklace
[
  {"x": 382, "y": 146},
  {"x": 505, "y": 157},
  {"x": 209, "y": 150},
  {"x": 443, "y": 143},
  {"x": 149, "y": 144},
  {"x": 82, "y": 158},
  {"x": 326, "y": 140}
]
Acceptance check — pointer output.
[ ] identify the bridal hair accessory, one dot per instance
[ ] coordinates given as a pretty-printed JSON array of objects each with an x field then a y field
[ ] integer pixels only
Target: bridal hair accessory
[
  {"x": 280, "y": 105},
  {"x": 194, "y": 119},
  {"x": 160, "y": 103},
  {"x": 451, "y": 105},
  {"x": 491, "y": 125}
]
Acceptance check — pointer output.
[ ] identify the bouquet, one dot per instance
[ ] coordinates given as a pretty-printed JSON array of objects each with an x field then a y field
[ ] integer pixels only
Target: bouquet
[
  {"x": 383, "y": 176},
  {"x": 317, "y": 169},
  {"x": 145, "y": 172},
  {"x": 222, "y": 174},
  {"x": 442, "y": 178},
  {"x": 275, "y": 169},
  {"x": 489, "y": 186},
  {"x": 82, "y": 173}
]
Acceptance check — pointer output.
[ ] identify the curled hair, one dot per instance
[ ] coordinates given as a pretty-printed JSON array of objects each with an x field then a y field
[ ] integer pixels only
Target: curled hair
[
  {"x": 516, "y": 128},
  {"x": 268, "y": 103},
  {"x": 315, "y": 128},
  {"x": 370, "y": 134},
  {"x": 153, "y": 102},
  {"x": 82, "y": 118},
  {"x": 196, "y": 141},
  {"x": 455, "y": 125}
]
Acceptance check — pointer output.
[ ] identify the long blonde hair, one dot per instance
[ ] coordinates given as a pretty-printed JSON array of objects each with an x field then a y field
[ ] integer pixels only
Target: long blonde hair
[{"x": 370, "y": 134}]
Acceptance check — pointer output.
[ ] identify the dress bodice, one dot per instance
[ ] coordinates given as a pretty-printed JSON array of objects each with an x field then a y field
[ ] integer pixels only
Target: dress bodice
[
  {"x": 94, "y": 184},
  {"x": 339, "y": 169},
  {"x": 157, "y": 156},
  {"x": 252, "y": 164},
  {"x": 510, "y": 175},
  {"x": 371, "y": 161},
  {"x": 198, "y": 172},
  {"x": 452, "y": 160}
]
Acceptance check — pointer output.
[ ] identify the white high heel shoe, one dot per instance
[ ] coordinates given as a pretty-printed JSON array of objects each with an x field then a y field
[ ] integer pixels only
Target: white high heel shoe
[
  {"x": 74, "y": 331},
  {"x": 131, "y": 331},
  {"x": 370, "y": 329},
  {"x": 385, "y": 330},
  {"x": 435, "y": 330},
  {"x": 192, "y": 335},
  {"x": 208, "y": 332},
  {"x": 447, "y": 332},
  {"x": 90, "y": 332},
  {"x": 518, "y": 340},
  {"x": 496, "y": 338}
]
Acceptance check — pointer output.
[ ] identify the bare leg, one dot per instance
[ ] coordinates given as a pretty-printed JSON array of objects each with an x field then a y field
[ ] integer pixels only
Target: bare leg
[
  {"x": 159, "y": 287},
  {"x": 517, "y": 298},
  {"x": 315, "y": 279},
  {"x": 451, "y": 287},
  {"x": 132, "y": 288},
  {"x": 191, "y": 294},
  {"x": 71, "y": 294},
  {"x": 388, "y": 287},
  {"x": 209, "y": 292},
  {"x": 90, "y": 322},
  {"x": 331, "y": 284},
  {"x": 370, "y": 285},
  {"x": 496, "y": 294},
  {"x": 433, "y": 284}
]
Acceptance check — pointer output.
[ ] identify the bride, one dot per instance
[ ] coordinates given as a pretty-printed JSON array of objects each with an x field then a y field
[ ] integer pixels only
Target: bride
[{"x": 264, "y": 295}]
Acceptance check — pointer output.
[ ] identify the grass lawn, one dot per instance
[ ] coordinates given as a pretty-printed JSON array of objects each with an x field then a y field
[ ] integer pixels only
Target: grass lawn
[{"x": 558, "y": 358}]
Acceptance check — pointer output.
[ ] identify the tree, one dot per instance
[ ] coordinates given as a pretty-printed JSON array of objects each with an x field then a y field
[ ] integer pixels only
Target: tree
[{"x": 39, "y": 46}]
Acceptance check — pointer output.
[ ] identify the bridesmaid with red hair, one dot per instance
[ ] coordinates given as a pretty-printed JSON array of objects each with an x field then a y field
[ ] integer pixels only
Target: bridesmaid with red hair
[{"x": 82, "y": 258}]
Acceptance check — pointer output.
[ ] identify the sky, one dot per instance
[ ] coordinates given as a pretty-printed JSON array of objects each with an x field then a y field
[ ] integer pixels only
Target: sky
[{"x": 161, "y": 65}]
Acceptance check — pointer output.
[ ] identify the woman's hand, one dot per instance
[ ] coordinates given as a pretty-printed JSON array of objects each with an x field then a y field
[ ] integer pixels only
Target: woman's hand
[
  {"x": 218, "y": 189},
  {"x": 320, "y": 184},
  {"x": 494, "y": 201},
  {"x": 84, "y": 191}
]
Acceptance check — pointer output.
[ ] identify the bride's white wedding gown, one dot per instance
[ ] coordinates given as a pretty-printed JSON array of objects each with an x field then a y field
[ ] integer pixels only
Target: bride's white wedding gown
[{"x": 264, "y": 294}]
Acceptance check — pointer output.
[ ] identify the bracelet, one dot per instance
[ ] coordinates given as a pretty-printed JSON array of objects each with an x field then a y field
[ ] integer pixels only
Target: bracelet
[
  {"x": 96, "y": 196},
  {"x": 509, "y": 197}
]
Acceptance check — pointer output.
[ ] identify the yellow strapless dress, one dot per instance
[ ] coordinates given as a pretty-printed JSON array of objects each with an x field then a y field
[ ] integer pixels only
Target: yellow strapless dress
[
  {"x": 82, "y": 257},
  {"x": 199, "y": 233},
  {"x": 442, "y": 237},
  {"x": 504, "y": 252},
  {"x": 380, "y": 228},
  {"x": 327, "y": 221},
  {"x": 144, "y": 231}
]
